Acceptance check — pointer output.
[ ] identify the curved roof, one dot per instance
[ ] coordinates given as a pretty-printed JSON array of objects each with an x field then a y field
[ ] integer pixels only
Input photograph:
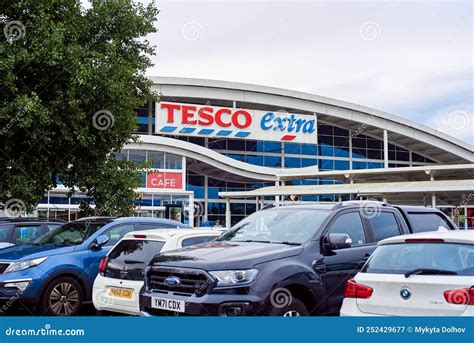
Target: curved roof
[
  {"x": 426, "y": 141},
  {"x": 214, "y": 162}
]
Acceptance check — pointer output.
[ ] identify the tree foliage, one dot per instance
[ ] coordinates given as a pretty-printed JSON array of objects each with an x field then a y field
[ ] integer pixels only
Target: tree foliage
[{"x": 70, "y": 81}]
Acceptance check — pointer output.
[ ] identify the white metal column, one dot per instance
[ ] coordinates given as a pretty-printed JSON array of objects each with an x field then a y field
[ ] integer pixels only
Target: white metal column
[
  {"x": 385, "y": 148},
  {"x": 191, "y": 210},
  {"x": 228, "y": 213}
]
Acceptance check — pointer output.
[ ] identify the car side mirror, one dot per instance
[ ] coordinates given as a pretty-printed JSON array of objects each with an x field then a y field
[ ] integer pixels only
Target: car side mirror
[
  {"x": 100, "y": 242},
  {"x": 338, "y": 241}
]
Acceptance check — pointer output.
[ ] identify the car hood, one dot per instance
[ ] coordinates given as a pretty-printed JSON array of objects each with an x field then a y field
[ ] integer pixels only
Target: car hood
[
  {"x": 5, "y": 244},
  {"x": 225, "y": 255},
  {"x": 28, "y": 251}
]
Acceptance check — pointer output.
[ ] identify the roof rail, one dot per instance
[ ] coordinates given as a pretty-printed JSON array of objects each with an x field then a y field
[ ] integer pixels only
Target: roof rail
[
  {"x": 362, "y": 203},
  {"x": 293, "y": 203}
]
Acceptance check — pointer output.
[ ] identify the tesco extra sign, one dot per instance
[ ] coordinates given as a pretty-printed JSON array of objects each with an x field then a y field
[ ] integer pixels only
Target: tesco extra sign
[{"x": 212, "y": 121}]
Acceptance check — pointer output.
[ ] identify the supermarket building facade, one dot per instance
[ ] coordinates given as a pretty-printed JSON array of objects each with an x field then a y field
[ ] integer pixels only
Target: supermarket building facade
[{"x": 222, "y": 150}]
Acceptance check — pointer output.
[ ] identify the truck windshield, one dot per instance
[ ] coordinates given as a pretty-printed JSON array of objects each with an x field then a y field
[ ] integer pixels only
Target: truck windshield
[
  {"x": 69, "y": 234},
  {"x": 278, "y": 226}
]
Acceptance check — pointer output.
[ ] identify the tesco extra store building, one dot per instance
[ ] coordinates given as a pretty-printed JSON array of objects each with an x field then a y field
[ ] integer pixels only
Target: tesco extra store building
[{"x": 215, "y": 145}]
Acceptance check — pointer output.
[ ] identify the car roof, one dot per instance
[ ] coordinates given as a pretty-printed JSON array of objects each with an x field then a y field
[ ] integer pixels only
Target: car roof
[
  {"x": 162, "y": 221},
  {"x": 450, "y": 236},
  {"x": 165, "y": 234},
  {"x": 30, "y": 219}
]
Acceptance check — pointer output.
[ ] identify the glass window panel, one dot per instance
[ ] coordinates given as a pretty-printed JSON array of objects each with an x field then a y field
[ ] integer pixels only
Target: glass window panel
[
  {"x": 272, "y": 161},
  {"x": 272, "y": 147},
  {"x": 292, "y": 162},
  {"x": 236, "y": 144},
  {"x": 326, "y": 164},
  {"x": 173, "y": 161},
  {"x": 359, "y": 165},
  {"x": 157, "y": 159},
  {"x": 292, "y": 148},
  {"x": 403, "y": 156},
  {"x": 341, "y": 141},
  {"x": 250, "y": 145},
  {"x": 256, "y": 160},
  {"x": 325, "y": 130},
  {"x": 375, "y": 154},
  {"x": 374, "y": 144},
  {"x": 138, "y": 156},
  {"x": 217, "y": 144},
  {"x": 341, "y": 152},
  {"x": 307, "y": 162},
  {"x": 359, "y": 153},
  {"x": 358, "y": 142},
  {"x": 326, "y": 150},
  {"x": 309, "y": 149},
  {"x": 341, "y": 165},
  {"x": 341, "y": 132}
]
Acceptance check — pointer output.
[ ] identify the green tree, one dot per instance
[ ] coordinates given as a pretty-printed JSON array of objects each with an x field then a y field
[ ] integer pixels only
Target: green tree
[{"x": 70, "y": 81}]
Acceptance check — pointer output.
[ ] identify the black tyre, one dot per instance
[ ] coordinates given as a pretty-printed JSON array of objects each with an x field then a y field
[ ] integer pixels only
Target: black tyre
[
  {"x": 62, "y": 297},
  {"x": 294, "y": 309}
]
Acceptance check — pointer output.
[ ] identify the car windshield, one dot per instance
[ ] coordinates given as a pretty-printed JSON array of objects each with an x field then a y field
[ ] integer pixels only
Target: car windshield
[
  {"x": 422, "y": 258},
  {"x": 278, "y": 225},
  {"x": 69, "y": 234}
]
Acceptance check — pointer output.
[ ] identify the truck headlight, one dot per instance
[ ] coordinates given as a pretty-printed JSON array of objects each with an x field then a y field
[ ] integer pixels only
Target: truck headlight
[
  {"x": 226, "y": 278},
  {"x": 16, "y": 266}
]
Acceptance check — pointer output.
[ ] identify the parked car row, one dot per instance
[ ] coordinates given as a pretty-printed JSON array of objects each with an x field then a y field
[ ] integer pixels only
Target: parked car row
[{"x": 291, "y": 259}]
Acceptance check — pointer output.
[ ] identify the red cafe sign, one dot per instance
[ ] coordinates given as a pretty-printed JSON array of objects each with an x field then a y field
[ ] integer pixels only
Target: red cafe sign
[{"x": 165, "y": 180}]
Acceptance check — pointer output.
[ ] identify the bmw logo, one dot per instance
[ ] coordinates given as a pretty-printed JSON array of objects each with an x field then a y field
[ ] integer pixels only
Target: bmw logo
[
  {"x": 405, "y": 293},
  {"x": 172, "y": 281}
]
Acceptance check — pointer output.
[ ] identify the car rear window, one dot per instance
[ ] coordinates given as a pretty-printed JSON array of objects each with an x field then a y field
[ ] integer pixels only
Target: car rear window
[
  {"x": 129, "y": 258},
  {"x": 406, "y": 257},
  {"x": 423, "y": 222}
]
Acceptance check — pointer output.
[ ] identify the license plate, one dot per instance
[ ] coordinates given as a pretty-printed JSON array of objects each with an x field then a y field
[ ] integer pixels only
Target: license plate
[
  {"x": 121, "y": 293},
  {"x": 168, "y": 304}
]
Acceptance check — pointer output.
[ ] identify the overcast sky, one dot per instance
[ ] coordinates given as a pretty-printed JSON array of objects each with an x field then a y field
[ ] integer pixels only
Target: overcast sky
[{"x": 413, "y": 59}]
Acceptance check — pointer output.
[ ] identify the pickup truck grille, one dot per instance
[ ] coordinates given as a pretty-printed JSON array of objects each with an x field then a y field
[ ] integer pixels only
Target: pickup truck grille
[
  {"x": 3, "y": 267},
  {"x": 191, "y": 281}
]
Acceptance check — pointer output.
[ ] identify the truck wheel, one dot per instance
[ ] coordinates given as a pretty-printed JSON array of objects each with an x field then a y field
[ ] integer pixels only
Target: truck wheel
[
  {"x": 295, "y": 309},
  {"x": 62, "y": 297}
]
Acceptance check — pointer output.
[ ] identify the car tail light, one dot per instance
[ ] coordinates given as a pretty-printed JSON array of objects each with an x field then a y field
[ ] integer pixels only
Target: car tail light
[
  {"x": 139, "y": 236},
  {"x": 357, "y": 290},
  {"x": 463, "y": 296},
  {"x": 424, "y": 240},
  {"x": 103, "y": 265}
]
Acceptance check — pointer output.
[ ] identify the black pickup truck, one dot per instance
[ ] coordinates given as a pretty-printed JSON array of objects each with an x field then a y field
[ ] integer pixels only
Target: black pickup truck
[{"x": 288, "y": 260}]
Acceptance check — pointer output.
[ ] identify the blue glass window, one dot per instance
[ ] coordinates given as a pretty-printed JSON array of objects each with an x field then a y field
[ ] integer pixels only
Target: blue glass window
[
  {"x": 292, "y": 162},
  {"x": 326, "y": 164},
  {"x": 309, "y": 149},
  {"x": 272, "y": 161},
  {"x": 307, "y": 162},
  {"x": 293, "y": 148},
  {"x": 373, "y": 165},
  {"x": 359, "y": 165},
  {"x": 256, "y": 160},
  {"x": 341, "y": 152},
  {"x": 326, "y": 150},
  {"x": 341, "y": 165}
]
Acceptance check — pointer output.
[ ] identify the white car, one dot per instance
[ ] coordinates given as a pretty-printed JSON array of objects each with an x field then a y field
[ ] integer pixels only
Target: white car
[
  {"x": 426, "y": 274},
  {"x": 121, "y": 273}
]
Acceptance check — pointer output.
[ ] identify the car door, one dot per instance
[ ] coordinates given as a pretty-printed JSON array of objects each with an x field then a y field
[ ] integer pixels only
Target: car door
[
  {"x": 342, "y": 264},
  {"x": 115, "y": 233}
]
